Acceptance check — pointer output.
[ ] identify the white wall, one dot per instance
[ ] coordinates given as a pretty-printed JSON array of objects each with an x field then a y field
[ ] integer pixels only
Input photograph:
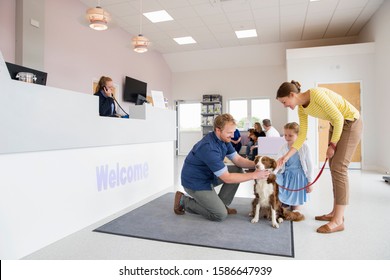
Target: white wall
[
  {"x": 243, "y": 56},
  {"x": 233, "y": 84},
  {"x": 378, "y": 30},
  {"x": 347, "y": 63},
  {"x": 251, "y": 71},
  {"x": 75, "y": 55},
  {"x": 7, "y": 29},
  {"x": 30, "y": 39}
]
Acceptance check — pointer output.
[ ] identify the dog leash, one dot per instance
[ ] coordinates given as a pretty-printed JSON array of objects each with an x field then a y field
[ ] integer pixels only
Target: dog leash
[{"x": 315, "y": 180}]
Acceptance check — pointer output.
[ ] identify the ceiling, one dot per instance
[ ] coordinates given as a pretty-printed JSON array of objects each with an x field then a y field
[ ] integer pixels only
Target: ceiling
[{"x": 212, "y": 23}]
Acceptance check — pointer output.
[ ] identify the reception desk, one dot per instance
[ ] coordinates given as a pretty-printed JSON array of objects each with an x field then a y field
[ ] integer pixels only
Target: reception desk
[{"x": 63, "y": 167}]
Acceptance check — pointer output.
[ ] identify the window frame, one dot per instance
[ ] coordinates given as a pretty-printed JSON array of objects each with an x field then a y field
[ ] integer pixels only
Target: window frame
[{"x": 249, "y": 109}]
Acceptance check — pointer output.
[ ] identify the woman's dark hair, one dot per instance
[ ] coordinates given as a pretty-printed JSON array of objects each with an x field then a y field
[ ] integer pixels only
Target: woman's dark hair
[
  {"x": 259, "y": 128},
  {"x": 286, "y": 88}
]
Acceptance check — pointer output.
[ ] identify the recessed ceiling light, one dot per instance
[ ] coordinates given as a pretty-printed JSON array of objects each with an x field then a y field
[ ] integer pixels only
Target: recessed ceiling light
[
  {"x": 314, "y": 0},
  {"x": 246, "y": 33},
  {"x": 185, "y": 40},
  {"x": 158, "y": 16}
]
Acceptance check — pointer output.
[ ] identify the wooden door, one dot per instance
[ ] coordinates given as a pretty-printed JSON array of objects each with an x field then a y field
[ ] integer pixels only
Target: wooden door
[{"x": 351, "y": 92}]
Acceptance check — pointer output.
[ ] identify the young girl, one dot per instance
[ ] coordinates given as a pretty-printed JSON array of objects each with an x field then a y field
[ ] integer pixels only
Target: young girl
[{"x": 296, "y": 173}]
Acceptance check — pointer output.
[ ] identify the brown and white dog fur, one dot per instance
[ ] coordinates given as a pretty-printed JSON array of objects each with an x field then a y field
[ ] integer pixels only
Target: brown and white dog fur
[
  {"x": 267, "y": 196},
  {"x": 266, "y": 192}
]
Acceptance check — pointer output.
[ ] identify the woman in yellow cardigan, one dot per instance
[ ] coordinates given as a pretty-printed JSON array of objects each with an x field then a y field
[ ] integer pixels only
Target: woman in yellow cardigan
[{"x": 344, "y": 136}]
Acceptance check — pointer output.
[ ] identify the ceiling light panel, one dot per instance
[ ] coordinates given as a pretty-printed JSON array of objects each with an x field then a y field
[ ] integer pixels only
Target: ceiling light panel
[
  {"x": 246, "y": 33},
  {"x": 158, "y": 16},
  {"x": 185, "y": 40}
]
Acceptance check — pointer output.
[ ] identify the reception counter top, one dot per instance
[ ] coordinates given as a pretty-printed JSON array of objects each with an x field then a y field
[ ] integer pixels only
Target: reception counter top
[{"x": 38, "y": 118}]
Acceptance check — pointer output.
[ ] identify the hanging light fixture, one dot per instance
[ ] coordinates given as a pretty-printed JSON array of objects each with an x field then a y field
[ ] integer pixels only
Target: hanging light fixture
[
  {"x": 98, "y": 18},
  {"x": 140, "y": 42}
]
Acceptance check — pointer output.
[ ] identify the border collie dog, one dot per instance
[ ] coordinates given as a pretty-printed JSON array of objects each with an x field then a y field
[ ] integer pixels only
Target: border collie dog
[{"x": 266, "y": 198}]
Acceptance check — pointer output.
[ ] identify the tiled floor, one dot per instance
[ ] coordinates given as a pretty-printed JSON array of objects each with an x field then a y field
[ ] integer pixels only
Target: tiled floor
[{"x": 367, "y": 233}]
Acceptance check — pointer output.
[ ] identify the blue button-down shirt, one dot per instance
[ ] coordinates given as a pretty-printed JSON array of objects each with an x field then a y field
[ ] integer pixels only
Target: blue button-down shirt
[{"x": 204, "y": 164}]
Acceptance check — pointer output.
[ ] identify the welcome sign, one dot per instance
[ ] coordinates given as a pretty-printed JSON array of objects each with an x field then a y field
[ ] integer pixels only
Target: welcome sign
[{"x": 108, "y": 177}]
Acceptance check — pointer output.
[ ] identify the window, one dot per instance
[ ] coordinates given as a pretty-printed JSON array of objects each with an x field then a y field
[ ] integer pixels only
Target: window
[
  {"x": 260, "y": 109},
  {"x": 248, "y": 111},
  {"x": 239, "y": 110}
]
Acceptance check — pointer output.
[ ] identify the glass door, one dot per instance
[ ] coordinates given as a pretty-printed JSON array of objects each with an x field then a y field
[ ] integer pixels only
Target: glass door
[{"x": 189, "y": 130}]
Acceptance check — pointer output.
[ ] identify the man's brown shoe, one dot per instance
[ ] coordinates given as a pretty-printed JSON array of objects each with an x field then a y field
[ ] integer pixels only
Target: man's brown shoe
[
  {"x": 231, "y": 211},
  {"x": 177, "y": 208}
]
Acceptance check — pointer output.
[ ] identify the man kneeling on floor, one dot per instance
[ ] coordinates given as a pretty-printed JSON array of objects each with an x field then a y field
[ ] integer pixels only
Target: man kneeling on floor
[{"x": 204, "y": 169}]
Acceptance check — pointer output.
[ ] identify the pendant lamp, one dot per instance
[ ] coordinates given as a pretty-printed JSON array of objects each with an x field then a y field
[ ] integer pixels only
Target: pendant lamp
[
  {"x": 98, "y": 18},
  {"x": 140, "y": 42}
]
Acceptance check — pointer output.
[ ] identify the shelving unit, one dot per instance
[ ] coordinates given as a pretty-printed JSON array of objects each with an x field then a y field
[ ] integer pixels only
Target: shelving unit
[{"x": 211, "y": 107}]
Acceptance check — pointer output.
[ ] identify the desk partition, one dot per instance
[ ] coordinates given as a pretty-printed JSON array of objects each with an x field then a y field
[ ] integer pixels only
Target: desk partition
[
  {"x": 63, "y": 167},
  {"x": 270, "y": 146}
]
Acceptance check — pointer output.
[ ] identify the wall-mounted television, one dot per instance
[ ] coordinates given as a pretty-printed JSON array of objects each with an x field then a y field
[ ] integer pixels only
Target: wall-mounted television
[
  {"x": 132, "y": 89},
  {"x": 14, "y": 69}
]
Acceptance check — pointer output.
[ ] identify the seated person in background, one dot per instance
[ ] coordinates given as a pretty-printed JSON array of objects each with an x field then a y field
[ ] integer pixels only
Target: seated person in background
[
  {"x": 257, "y": 128},
  {"x": 255, "y": 136},
  {"x": 270, "y": 131},
  {"x": 236, "y": 141},
  {"x": 250, "y": 142},
  {"x": 105, "y": 92}
]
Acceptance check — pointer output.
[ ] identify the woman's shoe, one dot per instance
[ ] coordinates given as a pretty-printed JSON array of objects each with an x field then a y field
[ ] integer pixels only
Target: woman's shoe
[
  {"x": 323, "y": 218},
  {"x": 327, "y": 229}
]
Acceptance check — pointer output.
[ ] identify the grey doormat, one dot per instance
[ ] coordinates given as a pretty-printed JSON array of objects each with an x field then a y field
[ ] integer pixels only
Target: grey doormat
[{"x": 157, "y": 221}]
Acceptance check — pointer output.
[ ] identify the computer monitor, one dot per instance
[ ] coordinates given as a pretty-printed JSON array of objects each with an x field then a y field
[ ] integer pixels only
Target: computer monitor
[
  {"x": 140, "y": 100},
  {"x": 14, "y": 69},
  {"x": 133, "y": 88}
]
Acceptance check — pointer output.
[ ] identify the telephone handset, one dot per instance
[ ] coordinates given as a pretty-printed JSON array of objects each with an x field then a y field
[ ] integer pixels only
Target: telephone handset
[{"x": 106, "y": 92}]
